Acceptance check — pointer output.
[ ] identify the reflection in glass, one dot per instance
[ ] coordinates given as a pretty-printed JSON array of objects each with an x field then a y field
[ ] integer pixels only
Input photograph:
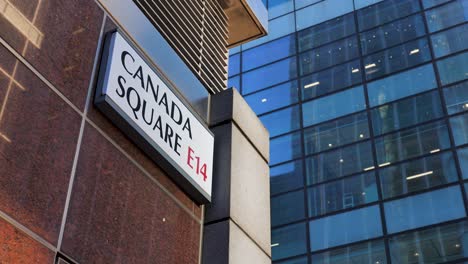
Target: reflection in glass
[
  {"x": 326, "y": 32},
  {"x": 336, "y": 133},
  {"x": 320, "y": 12},
  {"x": 385, "y": 11},
  {"x": 401, "y": 85},
  {"x": 431, "y": 3},
  {"x": 288, "y": 241},
  {"x": 234, "y": 65},
  {"x": 392, "y": 34},
  {"x": 450, "y": 41},
  {"x": 368, "y": 252},
  {"x": 342, "y": 194},
  {"x": 418, "y": 175},
  {"x": 333, "y": 106},
  {"x": 447, "y": 15},
  {"x": 456, "y": 98},
  {"x": 329, "y": 55},
  {"x": 287, "y": 208},
  {"x": 272, "y": 51},
  {"x": 411, "y": 143},
  {"x": 285, "y": 148},
  {"x": 273, "y": 98},
  {"x": 424, "y": 209},
  {"x": 302, "y": 260},
  {"x": 459, "y": 126},
  {"x": 463, "y": 159},
  {"x": 278, "y": 27},
  {"x": 345, "y": 228},
  {"x": 436, "y": 245},
  {"x": 286, "y": 177},
  {"x": 334, "y": 164},
  {"x": 397, "y": 58},
  {"x": 277, "y": 8},
  {"x": 453, "y": 69},
  {"x": 234, "y": 82},
  {"x": 282, "y": 121},
  {"x": 406, "y": 112},
  {"x": 331, "y": 80}
]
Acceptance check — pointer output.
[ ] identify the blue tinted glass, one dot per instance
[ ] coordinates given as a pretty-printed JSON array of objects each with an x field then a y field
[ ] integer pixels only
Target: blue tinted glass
[
  {"x": 269, "y": 75},
  {"x": 372, "y": 252},
  {"x": 456, "y": 98},
  {"x": 385, "y": 11},
  {"x": 294, "y": 261},
  {"x": 234, "y": 82},
  {"x": 337, "y": 163},
  {"x": 453, "y": 69},
  {"x": 279, "y": 7},
  {"x": 287, "y": 208},
  {"x": 277, "y": 28},
  {"x": 418, "y": 175},
  {"x": 285, "y": 148},
  {"x": 329, "y": 55},
  {"x": 282, "y": 121},
  {"x": 424, "y": 209},
  {"x": 234, "y": 50},
  {"x": 412, "y": 142},
  {"x": 441, "y": 244},
  {"x": 447, "y": 15},
  {"x": 323, "y": 11},
  {"x": 459, "y": 126},
  {"x": 269, "y": 52},
  {"x": 331, "y": 80},
  {"x": 286, "y": 177},
  {"x": 336, "y": 133},
  {"x": 401, "y": 85},
  {"x": 397, "y": 58},
  {"x": 358, "y": 4},
  {"x": 326, "y": 32},
  {"x": 303, "y": 3},
  {"x": 342, "y": 194},
  {"x": 431, "y": 3},
  {"x": 288, "y": 241},
  {"x": 450, "y": 41},
  {"x": 273, "y": 98},
  {"x": 392, "y": 34},
  {"x": 463, "y": 158},
  {"x": 234, "y": 65},
  {"x": 406, "y": 112},
  {"x": 333, "y": 106},
  {"x": 335, "y": 230}
]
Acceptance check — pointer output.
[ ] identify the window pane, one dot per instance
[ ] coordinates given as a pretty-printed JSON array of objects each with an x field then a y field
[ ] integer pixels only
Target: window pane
[
  {"x": 430, "y": 246},
  {"x": 453, "y": 69},
  {"x": 450, "y": 41},
  {"x": 368, "y": 252},
  {"x": 385, "y": 11},
  {"x": 234, "y": 82},
  {"x": 431, "y": 3},
  {"x": 273, "y": 98},
  {"x": 303, "y": 3},
  {"x": 463, "y": 159},
  {"x": 401, "y": 85},
  {"x": 336, "y": 133},
  {"x": 447, "y": 15},
  {"x": 286, "y": 177},
  {"x": 269, "y": 52},
  {"x": 269, "y": 75},
  {"x": 336, "y": 105},
  {"x": 287, "y": 208},
  {"x": 294, "y": 261},
  {"x": 424, "y": 209},
  {"x": 234, "y": 65},
  {"x": 406, "y": 112},
  {"x": 412, "y": 142},
  {"x": 285, "y": 148},
  {"x": 456, "y": 98},
  {"x": 337, "y": 163},
  {"x": 459, "y": 126},
  {"x": 329, "y": 55},
  {"x": 391, "y": 34},
  {"x": 323, "y": 11},
  {"x": 288, "y": 241},
  {"x": 279, "y": 7},
  {"x": 418, "y": 175},
  {"x": 331, "y": 80},
  {"x": 282, "y": 121},
  {"x": 277, "y": 28},
  {"x": 397, "y": 58},
  {"x": 335, "y": 230},
  {"x": 342, "y": 194},
  {"x": 326, "y": 32},
  {"x": 358, "y": 4}
]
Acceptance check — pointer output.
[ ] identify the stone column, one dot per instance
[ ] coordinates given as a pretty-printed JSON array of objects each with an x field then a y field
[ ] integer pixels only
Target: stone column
[{"x": 237, "y": 222}]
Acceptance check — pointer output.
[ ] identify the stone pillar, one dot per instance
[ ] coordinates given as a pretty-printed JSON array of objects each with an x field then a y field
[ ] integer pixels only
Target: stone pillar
[{"x": 237, "y": 222}]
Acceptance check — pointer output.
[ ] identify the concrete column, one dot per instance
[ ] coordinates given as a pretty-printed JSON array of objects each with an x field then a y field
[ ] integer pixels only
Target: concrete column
[{"x": 237, "y": 222}]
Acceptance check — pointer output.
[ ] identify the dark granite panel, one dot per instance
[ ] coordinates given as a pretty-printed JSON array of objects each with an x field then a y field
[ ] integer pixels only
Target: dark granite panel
[
  {"x": 38, "y": 139},
  {"x": 70, "y": 31},
  {"x": 118, "y": 215},
  {"x": 17, "y": 247}
]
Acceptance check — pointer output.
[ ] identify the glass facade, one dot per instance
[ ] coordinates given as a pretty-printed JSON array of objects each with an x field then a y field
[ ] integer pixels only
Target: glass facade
[{"x": 366, "y": 102}]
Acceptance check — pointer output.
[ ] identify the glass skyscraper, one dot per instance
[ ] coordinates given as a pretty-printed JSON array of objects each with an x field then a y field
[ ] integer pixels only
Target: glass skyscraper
[{"x": 366, "y": 103}]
